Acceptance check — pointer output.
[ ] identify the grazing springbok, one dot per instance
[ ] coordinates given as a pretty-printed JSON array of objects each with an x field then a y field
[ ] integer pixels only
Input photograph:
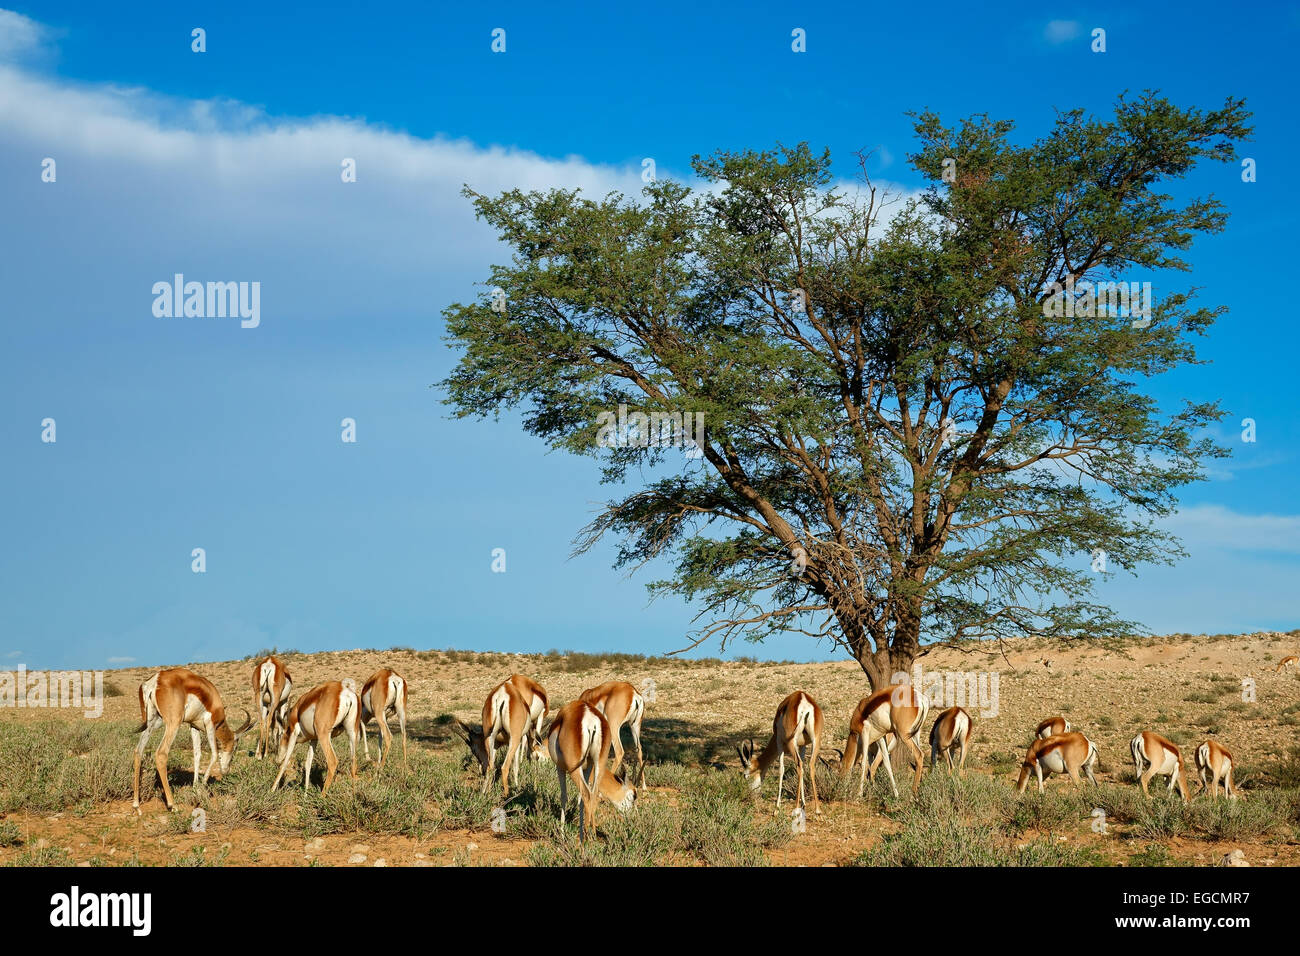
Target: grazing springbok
[
  {"x": 951, "y": 731},
  {"x": 1213, "y": 758},
  {"x": 797, "y": 725},
  {"x": 179, "y": 696},
  {"x": 1286, "y": 662},
  {"x": 324, "y": 711},
  {"x": 578, "y": 740},
  {"x": 1061, "y": 753},
  {"x": 534, "y": 695},
  {"x": 622, "y": 704},
  {"x": 271, "y": 688},
  {"x": 1160, "y": 757},
  {"x": 382, "y": 694},
  {"x": 899, "y": 710},
  {"x": 507, "y": 716},
  {"x": 1052, "y": 727}
]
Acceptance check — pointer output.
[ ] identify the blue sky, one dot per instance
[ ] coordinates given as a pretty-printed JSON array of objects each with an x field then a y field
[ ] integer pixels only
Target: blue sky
[{"x": 177, "y": 434}]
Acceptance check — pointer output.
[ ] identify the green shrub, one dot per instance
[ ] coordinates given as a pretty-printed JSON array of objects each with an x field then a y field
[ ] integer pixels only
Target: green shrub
[
  {"x": 10, "y": 835},
  {"x": 1153, "y": 854}
]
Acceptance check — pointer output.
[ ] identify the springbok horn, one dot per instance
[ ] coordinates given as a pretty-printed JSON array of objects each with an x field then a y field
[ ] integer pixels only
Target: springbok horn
[{"x": 248, "y": 722}]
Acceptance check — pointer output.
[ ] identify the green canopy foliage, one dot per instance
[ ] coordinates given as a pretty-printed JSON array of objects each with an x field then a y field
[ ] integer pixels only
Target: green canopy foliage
[{"x": 906, "y": 438}]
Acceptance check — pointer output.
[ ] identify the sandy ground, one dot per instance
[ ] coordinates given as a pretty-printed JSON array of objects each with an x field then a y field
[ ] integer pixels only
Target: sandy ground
[{"x": 701, "y": 710}]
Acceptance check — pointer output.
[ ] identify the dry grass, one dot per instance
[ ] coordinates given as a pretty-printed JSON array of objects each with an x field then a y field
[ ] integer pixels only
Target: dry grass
[{"x": 65, "y": 781}]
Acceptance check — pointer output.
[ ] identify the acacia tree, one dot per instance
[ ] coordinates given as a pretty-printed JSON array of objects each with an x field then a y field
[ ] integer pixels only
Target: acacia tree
[{"x": 905, "y": 435}]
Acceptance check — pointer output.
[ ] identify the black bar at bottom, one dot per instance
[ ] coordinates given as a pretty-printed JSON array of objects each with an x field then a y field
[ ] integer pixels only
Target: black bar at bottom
[{"x": 1220, "y": 903}]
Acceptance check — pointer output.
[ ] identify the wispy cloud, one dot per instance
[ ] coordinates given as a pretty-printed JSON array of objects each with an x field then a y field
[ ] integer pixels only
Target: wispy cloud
[
  {"x": 1217, "y": 527},
  {"x": 121, "y": 660},
  {"x": 230, "y": 183},
  {"x": 1061, "y": 31},
  {"x": 20, "y": 35},
  {"x": 234, "y": 185}
]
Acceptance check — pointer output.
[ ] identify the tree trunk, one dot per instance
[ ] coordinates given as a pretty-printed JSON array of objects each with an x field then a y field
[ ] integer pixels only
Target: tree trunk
[
  {"x": 882, "y": 665},
  {"x": 882, "y": 660},
  {"x": 881, "y": 656}
]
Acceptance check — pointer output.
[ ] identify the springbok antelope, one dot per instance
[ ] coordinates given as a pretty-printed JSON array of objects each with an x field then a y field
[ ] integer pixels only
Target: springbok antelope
[
  {"x": 179, "y": 696},
  {"x": 271, "y": 688},
  {"x": 621, "y": 704},
  {"x": 898, "y": 710},
  {"x": 951, "y": 731},
  {"x": 382, "y": 694},
  {"x": 1160, "y": 757},
  {"x": 578, "y": 740},
  {"x": 797, "y": 725},
  {"x": 1286, "y": 662},
  {"x": 1061, "y": 753},
  {"x": 1052, "y": 727},
  {"x": 1213, "y": 758},
  {"x": 324, "y": 711},
  {"x": 507, "y": 716},
  {"x": 535, "y": 697}
]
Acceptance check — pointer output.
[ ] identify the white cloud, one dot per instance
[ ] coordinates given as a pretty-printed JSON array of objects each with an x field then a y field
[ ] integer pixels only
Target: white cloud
[
  {"x": 151, "y": 185},
  {"x": 1061, "y": 31},
  {"x": 19, "y": 35},
  {"x": 121, "y": 660},
  {"x": 1203, "y": 527},
  {"x": 148, "y": 185},
  {"x": 240, "y": 145}
]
